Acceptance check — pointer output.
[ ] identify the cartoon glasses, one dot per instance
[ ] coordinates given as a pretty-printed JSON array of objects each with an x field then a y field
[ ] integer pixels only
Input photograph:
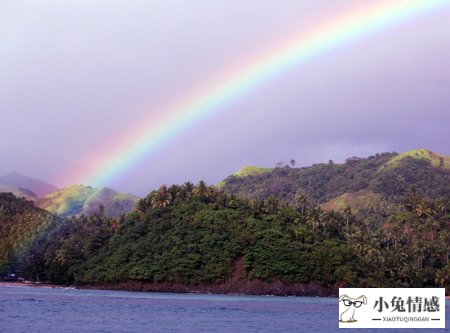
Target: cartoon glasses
[{"x": 347, "y": 302}]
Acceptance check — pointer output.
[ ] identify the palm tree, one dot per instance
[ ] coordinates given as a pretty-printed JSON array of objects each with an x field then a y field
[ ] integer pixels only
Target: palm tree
[
  {"x": 315, "y": 217},
  {"x": 358, "y": 241},
  {"x": 395, "y": 232},
  {"x": 161, "y": 198},
  {"x": 419, "y": 248},
  {"x": 332, "y": 221},
  {"x": 423, "y": 209},
  {"x": 444, "y": 205},
  {"x": 271, "y": 204},
  {"x": 347, "y": 215},
  {"x": 202, "y": 189},
  {"x": 301, "y": 202},
  {"x": 188, "y": 189},
  {"x": 413, "y": 198},
  {"x": 142, "y": 205},
  {"x": 434, "y": 226},
  {"x": 174, "y": 190},
  {"x": 283, "y": 205},
  {"x": 256, "y": 207}
]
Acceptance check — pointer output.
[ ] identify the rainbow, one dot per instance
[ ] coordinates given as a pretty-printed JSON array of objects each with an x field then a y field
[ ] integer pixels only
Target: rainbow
[{"x": 327, "y": 35}]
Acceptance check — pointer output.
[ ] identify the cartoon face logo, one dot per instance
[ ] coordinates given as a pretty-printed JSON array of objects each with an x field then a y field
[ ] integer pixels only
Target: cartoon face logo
[{"x": 350, "y": 304}]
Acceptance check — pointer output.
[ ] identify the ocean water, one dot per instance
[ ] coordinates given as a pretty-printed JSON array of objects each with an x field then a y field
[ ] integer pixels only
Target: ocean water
[{"x": 46, "y": 309}]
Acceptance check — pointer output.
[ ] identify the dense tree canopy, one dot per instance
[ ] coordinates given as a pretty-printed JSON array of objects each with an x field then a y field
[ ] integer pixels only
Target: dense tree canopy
[
  {"x": 323, "y": 182},
  {"x": 194, "y": 234}
]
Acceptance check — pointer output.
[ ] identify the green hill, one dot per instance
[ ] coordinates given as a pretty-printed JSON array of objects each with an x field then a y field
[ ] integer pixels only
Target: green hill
[
  {"x": 357, "y": 200},
  {"x": 435, "y": 159},
  {"x": 79, "y": 199},
  {"x": 251, "y": 171},
  {"x": 195, "y": 238},
  {"x": 246, "y": 171},
  {"x": 380, "y": 221},
  {"x": 384, "y": 176}
]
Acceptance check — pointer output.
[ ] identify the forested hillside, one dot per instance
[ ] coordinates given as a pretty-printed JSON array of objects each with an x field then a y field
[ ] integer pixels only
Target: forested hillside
[
  {"x": 359, "y": 182},
  {"x": 192, "y": 236},
  {"x": 21, "y": 223}
]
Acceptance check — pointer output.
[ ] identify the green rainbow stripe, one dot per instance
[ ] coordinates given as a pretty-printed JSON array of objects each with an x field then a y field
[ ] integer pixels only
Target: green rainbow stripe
[{"x": 325, "y": 36}]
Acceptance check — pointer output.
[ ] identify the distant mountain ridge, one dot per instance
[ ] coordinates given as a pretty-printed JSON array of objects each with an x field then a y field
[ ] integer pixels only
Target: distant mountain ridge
[
  {"x": 79, "y": 199},
  {"x": 359, "y": 182},
  {"x": 69, "y": 201},
  {"x": 36, "y": 186},
  {"x": 18, "y": 192}
]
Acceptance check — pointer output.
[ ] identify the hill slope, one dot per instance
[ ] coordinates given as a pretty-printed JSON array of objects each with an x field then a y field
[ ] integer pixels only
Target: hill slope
[
  {"x": 437, "y": 160},
  {"x": 246, "y": 171},
  {"x": 34, "y": 185},
  {"x": 202, "y": 240},
  {"x": 20, "y": 224},
  {"x": 79, "y": 199},
  {"x": 382, "y": 176}
]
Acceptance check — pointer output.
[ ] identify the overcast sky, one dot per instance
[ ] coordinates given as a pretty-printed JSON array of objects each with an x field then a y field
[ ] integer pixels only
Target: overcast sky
[{"x": 76, "y": 76}]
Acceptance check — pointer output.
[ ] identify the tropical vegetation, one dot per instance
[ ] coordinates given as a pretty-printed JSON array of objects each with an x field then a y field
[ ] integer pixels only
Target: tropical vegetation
[{"x": 194, "y": 234}]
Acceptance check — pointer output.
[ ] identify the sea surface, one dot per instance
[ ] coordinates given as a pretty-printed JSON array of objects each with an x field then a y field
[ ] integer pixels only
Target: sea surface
[{"x": 53, "y": 309}]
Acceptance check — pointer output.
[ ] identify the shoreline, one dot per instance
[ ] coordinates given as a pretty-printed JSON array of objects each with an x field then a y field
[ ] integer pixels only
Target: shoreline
[
  {"x": 253, "y": 287},
  {"x": 35, "y": 285},
  {"x": 185, "y": 290}
]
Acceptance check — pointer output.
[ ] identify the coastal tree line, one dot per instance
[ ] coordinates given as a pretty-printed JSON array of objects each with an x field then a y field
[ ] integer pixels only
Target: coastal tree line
[{"x": 194, "y": 234}]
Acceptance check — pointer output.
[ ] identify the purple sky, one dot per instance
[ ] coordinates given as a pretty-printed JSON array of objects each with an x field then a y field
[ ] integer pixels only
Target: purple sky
[{"x": 74, "y": 74}]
